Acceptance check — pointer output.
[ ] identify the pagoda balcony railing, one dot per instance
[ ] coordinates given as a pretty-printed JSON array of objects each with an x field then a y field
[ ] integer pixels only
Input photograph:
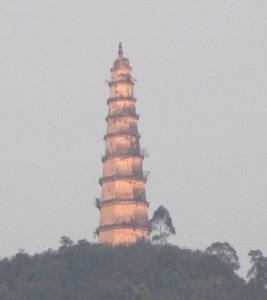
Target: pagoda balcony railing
[{"x": 120, "y": 97}]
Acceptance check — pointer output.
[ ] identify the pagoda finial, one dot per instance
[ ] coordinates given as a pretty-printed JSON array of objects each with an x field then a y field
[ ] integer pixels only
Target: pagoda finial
[{"x": 120, "y": 50}]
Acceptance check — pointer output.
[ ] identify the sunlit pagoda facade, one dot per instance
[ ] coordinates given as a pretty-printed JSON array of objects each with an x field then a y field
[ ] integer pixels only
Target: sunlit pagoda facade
[{"x": 123, "y": 205}]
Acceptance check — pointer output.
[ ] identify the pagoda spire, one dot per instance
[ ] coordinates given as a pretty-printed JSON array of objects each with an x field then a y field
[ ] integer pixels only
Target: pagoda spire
[
  {"x": 120, "y": 50},
  {"x": 123, "y": 205}
]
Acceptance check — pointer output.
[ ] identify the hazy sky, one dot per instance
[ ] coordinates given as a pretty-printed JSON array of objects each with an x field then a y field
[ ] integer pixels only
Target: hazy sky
[{"x": 201, "y": 68}]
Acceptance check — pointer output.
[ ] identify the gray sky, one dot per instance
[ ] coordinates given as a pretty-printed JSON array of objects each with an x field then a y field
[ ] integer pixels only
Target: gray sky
[{"x": 201, "y": 68}]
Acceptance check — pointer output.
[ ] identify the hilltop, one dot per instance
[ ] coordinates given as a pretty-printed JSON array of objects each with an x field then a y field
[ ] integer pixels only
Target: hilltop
[{"x": 138, "y": 272}]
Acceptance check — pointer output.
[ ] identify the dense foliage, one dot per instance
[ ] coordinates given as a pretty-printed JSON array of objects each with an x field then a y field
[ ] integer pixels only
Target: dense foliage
[
  {"x": 226, "y": 253},
  {"x": 138, "y": 272}
]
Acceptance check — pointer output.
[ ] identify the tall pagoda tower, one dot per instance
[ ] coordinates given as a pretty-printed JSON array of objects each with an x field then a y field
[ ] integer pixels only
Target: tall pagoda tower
[{"x": 123, "y": 205}]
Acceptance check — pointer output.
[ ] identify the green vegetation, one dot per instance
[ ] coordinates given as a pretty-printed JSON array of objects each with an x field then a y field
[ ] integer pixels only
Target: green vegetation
[
  {"x": 138, "y": 272},
  {"x": 225, "y": 253},
  {"x": 161, "y": 226}
]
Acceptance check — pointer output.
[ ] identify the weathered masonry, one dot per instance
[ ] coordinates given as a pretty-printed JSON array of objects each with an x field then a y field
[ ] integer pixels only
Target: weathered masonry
[{"x": 123, "y": 206}]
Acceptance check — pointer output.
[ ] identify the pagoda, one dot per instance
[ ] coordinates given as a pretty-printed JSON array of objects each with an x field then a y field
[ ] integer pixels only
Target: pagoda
[{"x": 123, "y": 206}]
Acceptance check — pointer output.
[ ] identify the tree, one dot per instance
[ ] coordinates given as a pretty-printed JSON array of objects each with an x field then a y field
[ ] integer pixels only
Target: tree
[
  {"x": 161, "y": 226},
  {"x": 258, "y": 271},
  {"x": 138, "y": 271},
  {"x": 65, "y": 242},
  {"x": 225, "y": 253},
  {"x": 83, "y": 242}
]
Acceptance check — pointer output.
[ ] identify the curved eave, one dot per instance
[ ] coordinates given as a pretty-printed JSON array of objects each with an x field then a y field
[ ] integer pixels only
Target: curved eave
[
  {"x": 134, "y": 134},
  {"x": 106, "y": 157},
  {"x": 117, "y": 116},
  {"x": 112, "y": 83},
  {"x": 121, "y": 98},
  {"x": 117, "y": 67},
  {"x": 122, "y": 225},
  {"x": 122, "y": 177},
  {"x": 121, "y": 200}
]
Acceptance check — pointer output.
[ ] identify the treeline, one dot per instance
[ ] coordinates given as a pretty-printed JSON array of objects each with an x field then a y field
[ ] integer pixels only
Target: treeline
[{"x": 138, "y": 272}]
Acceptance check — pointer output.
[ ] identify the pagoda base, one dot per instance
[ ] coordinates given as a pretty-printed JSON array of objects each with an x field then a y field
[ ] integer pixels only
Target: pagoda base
[{"x": 128, "y": 235}]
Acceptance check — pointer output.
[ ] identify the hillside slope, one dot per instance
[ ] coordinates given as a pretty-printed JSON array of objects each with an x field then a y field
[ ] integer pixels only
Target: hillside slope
[{"x": 138, "y": 272}]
